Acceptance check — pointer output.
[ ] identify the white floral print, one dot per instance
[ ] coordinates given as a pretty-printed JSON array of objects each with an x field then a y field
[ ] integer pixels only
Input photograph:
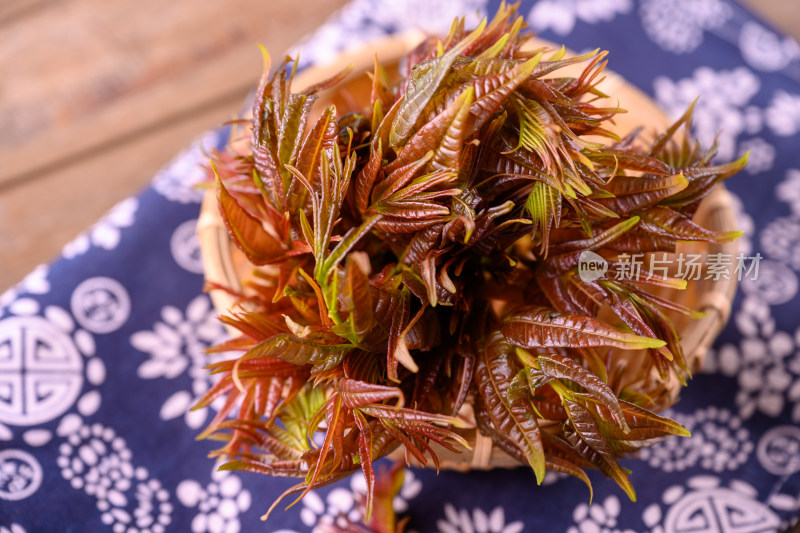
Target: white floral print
[
  {"x": 719, "y": 442},
  {"x": 97, "y": 461},
  {"x": 722, "y": 106},
  {"x": 561, "y": 15},
  {"x": 178, "y": 180},
  {"x": 781, "y": 240},
  {"x": 789, "y": 190},
  {"x": 764, "y": 50},
  {"x": 477, "y": 521},
  {"x": 762, "y": 155},
  {"x": 106, "y": 233},
  {"x": 361, "y": 21},
  {"x": 344, "y": 502},
  {"x": 783, "y": 114},
  {"x": 763, "y": 363},
  {"x": 766, "y": 363},
  {"x": 219, "y": 503},
  {"x": 176, "y": 346},
  {"x": 776, "y": 283},
  {"x": 678, "y": 25},
  {"x": 598, "y": 517}
]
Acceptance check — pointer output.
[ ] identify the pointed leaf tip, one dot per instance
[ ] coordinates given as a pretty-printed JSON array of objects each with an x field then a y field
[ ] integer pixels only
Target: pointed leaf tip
[
  {"x": 265, "y": 57},
  {"x": 647, "y": 342},
  {"x": 730, "y": 235},
  {"x": 745, "y": 158}
]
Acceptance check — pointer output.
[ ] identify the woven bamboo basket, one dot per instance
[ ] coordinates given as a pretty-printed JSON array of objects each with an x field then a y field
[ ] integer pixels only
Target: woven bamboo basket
[{"x": 227, "y": 267}]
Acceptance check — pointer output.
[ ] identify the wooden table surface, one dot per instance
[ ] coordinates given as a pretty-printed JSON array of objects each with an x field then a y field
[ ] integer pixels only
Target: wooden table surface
[
  {"x": 98, "y": 94},
  {"x": 104, "y": 92}
]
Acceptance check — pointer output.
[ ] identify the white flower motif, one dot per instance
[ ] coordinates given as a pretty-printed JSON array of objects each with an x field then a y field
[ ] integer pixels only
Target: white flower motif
[
  {"x": 678, "y": 25},
  {"x": 175, "y": 346},
  {"x": 178, "y": 179},
  {"x": 719, "y": 442},
  {"x": 219, "y": 503},
  {"x": 789, "y": 190},
  {"x": 765, "y": 50},
  {"x": 342, "y": 504},
  {"x": 721, "y": 107},
  {"x": 780, "y": 240},
  {"x": 185, "y": 247},
  {"x": 105, "y": 233},
  {"x": 361, "y": 21},
  {"x": 462, "y": 521},
  {"x": 766, "y": 363},
  {"x": 776, "y": 283},
  {"x": 783, "y": 114},
  {"x": 561, "y": 15},
  {"x": 98, "y": 461},
  {"x": 762, "y": 155},
  {"x": 13, "y": 528},
  {"x": 599, "y": 518}
]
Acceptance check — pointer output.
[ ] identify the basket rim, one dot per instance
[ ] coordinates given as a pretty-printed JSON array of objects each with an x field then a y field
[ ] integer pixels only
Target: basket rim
[{"x": 217, "y": 250}]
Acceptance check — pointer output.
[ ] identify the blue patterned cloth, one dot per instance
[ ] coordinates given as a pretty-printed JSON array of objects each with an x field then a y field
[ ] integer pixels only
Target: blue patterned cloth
[{"x": 101, "y": 351}]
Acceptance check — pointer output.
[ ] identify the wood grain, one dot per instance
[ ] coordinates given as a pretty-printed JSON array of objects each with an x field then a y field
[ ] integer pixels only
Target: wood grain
[
  {"x": 98, "y": 94},
  {"x": 105, "y": 92}
]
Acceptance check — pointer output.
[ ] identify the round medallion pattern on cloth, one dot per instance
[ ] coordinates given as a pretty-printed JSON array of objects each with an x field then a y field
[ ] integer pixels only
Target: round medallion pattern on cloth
[
  {"x": 41, "y": 371},
  {"x": 51, "y": 372},
  {"x": 719, "y": 510},
  {"x": 703, "y": 505},
  {"x": 779, "y": 450},
  {"x": 185, "y": 247},
  {"x": 776, "y": 283},
  {"x": 781, "y": 241},
  {"x": 765, "y": 50},
  {"x": 101, "y": 304},
  {"x": 20, "y": 474}
]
